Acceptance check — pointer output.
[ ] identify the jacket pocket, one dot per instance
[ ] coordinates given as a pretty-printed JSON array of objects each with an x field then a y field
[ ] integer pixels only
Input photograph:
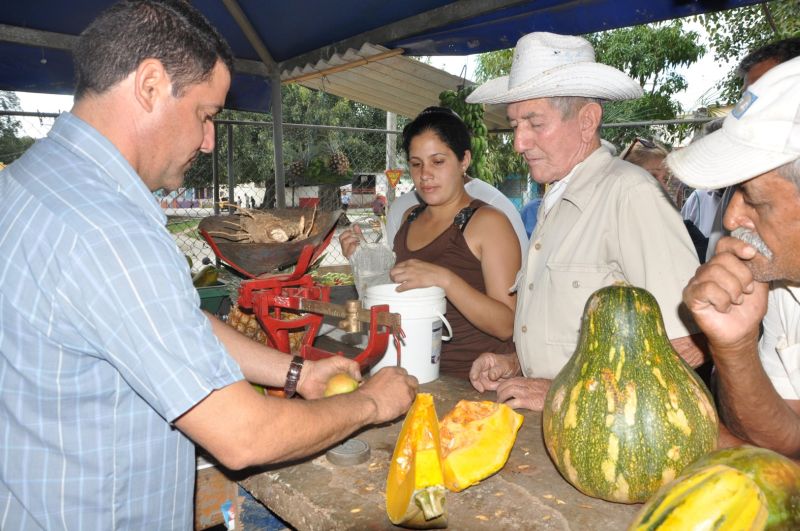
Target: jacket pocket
[{"x": 569, "y": 286}]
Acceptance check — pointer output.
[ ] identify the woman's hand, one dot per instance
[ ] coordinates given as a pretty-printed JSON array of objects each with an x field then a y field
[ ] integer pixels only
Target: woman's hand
[
  {"x": 350, "y": 239},
  {"x": 414, "y": 273}
]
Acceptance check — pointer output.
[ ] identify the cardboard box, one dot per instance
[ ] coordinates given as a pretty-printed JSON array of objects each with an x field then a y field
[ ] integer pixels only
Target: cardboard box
[{"x": 212, "y": 491}]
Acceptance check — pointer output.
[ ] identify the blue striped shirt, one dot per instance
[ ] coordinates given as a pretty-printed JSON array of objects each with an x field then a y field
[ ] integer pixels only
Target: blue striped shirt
[{"x": 102, "y": 344}]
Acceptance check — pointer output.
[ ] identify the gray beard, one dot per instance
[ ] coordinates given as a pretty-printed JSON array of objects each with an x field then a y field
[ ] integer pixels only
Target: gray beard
[{"x": 753, "y": 239}]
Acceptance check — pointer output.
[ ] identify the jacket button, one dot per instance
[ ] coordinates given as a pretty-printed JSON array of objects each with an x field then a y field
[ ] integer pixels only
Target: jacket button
[
  {"x": 537, "y": 246},
  {"x": 530, "y": 286},
  {"x": 524, "y": 328},
  {"x": 576, "y": 284}
]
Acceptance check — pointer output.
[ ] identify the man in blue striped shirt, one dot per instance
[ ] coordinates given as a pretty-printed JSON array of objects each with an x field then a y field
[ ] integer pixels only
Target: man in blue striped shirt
[{"x": 108, "y": 368}]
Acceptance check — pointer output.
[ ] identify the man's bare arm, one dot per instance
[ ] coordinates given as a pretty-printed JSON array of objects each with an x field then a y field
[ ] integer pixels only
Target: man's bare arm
[{"x": 751, "y": 408}]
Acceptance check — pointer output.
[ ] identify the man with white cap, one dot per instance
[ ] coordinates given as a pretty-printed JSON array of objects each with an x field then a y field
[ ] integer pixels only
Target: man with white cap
[
  {"x": 758, "y": 149},
  {"x": 602, "y": 220}
]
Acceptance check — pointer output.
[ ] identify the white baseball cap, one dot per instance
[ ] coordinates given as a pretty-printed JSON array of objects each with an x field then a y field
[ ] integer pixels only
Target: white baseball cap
[{"x": 761, "y": 133}]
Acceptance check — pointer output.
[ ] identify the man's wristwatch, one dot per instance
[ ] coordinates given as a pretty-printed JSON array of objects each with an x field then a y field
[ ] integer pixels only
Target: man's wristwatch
[{"x": 293, "y": 376}]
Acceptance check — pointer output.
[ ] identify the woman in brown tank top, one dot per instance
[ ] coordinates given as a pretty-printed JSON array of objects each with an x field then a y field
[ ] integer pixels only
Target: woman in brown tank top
[
  {"x": 455, "y": 242},
  {"x": 461, "y": 245}
]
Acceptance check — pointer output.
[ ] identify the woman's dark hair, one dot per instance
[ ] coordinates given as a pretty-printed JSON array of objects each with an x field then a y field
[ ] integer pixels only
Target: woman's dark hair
[
  {"x": 445, "y": 123},
  {"x": 130, "y": 31}
]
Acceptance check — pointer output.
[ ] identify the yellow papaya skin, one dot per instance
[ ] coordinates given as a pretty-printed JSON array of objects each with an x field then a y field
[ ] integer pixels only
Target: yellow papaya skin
[
  {"x": 777, "y": 476},
  {"x": 207, "y": 276},
  {"x": 415, "y": 493},
  {"x": 716, "y": 497}
]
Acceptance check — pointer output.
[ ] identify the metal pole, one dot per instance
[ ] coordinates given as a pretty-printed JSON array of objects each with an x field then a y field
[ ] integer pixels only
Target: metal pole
[
  {"x": 231, "y": 177},
  {"x": 277, "y": 139},
  {"x": 215, "y": 171},
  {"x": 391, "y": 152}
]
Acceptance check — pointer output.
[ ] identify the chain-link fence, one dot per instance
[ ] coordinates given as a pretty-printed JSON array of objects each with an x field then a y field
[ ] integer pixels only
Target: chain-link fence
[{"x": 325, "y": 167}]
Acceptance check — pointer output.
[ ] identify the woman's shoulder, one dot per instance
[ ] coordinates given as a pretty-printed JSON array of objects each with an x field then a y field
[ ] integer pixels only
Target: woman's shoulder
[{"x": 488, "y": 214}]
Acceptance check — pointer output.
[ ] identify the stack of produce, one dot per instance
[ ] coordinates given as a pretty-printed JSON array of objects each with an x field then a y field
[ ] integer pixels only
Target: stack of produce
[{"x": 472, "y": 114}]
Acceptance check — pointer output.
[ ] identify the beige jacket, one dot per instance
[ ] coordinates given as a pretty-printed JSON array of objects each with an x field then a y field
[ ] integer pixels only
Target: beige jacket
[{"x": 613, "y": 222}]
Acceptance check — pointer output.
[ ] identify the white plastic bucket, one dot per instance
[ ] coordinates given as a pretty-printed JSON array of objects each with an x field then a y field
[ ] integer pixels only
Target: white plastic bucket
[{"x": 422, "y": 313}]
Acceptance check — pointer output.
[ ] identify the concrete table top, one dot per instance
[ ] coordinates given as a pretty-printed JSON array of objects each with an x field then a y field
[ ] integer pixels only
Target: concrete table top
[{"x": 528, "y": 493}]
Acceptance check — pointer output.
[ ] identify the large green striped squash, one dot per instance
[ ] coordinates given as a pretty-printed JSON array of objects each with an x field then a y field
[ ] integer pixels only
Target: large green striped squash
[
  {"x": 777, "y": 476},
  {"x": 626, "y": 414}
]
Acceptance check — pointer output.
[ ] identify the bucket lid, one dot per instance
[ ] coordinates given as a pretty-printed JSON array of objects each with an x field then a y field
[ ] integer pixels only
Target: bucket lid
[{"x": 385, "y": 292}]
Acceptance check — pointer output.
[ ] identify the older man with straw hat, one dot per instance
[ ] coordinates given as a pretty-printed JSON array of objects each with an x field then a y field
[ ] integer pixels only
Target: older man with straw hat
[
  {"x": 602, "y": 220},
  {"x": 753, "y": 279}
]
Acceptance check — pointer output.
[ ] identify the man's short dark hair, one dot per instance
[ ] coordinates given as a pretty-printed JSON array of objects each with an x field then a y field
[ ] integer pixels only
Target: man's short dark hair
[
  {"x": 130, "y": 31},
  {"x": 780, "y": 51}
]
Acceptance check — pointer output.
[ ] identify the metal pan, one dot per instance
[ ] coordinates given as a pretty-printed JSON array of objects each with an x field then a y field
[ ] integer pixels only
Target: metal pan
[{"x": 255, "y": 259}]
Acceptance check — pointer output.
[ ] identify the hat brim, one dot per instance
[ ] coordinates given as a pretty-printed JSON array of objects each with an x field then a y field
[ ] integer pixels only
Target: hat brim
[
  {"x": 587, "y": 79},
  {"x": 718, "y": 160}
]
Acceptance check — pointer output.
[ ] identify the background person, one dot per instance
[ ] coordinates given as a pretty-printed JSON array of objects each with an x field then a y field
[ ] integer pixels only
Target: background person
[
  {"x": 455, "y": 242},
  {"x": 602, "y": 219},
  {"x": 650, "y": 156},
  {"x": 109, "y": 368},
  {"x": 753, "y": 277},
  {"x": 379, "y": 205}
]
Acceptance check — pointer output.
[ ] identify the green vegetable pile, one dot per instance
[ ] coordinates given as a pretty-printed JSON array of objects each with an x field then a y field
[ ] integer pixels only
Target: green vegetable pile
[{"x": 333, "y": 279}]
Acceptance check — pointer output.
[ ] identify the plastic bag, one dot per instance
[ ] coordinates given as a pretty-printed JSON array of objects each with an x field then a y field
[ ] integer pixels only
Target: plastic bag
[{"x": 371, "y": 263}]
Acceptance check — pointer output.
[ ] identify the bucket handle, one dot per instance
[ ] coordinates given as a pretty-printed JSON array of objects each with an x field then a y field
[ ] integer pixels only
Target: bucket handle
[{"x": 447, "y": 325}]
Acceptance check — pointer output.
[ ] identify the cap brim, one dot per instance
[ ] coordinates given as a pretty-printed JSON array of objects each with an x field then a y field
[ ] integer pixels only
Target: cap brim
[
  {"x": 717, "y": 160},
  {"x": 588, "y": 80}
]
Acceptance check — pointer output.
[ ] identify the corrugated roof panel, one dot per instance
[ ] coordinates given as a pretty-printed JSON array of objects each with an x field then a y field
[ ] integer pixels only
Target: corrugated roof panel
[{"x": 398, "y": 84}]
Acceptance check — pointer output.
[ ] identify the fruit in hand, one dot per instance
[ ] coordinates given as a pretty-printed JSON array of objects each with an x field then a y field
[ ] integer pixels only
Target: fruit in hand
[{"x": 340, "y": 384}]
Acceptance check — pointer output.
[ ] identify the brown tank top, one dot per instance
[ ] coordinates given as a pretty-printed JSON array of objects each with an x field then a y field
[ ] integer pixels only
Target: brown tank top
[{"x": 450, "y": 250}]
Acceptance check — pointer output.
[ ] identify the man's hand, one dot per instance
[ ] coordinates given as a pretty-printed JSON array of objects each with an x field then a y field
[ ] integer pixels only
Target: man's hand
[
  {"x": 349, "y": 240},
  {"x": 727, "y": 303},
  {"x": 490, "y": 369},
  {"x": 413, "y": 273},
  {"x": 315, "y": 374},
  {"x": 392, "y": 390},
  {"x": 523, "y": 393}
]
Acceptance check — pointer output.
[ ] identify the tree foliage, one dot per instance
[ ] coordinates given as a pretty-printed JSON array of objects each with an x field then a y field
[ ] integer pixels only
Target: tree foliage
[
  {"x": 12, "y": 145},
  {"x": 253, "y": 151},
  {"x": 649, "y": 54},
  {"x": 736, "y": 32}
]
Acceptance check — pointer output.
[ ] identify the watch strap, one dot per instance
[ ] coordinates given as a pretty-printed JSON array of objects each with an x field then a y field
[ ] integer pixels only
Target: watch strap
[{"x": 295, "y": 366}]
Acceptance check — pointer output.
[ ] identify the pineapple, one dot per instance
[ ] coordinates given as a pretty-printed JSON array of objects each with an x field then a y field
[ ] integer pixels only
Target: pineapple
[
  {"x": 247, "y": 324},
  {"x": 297, "y": 168},
  {"x": 338, "y": 163}
]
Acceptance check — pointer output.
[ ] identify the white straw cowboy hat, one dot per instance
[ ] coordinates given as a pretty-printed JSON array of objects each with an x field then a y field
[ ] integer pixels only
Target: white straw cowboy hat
[
  {"x": 761, "y": 133},
  {"x": 548, "y": 65}
]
